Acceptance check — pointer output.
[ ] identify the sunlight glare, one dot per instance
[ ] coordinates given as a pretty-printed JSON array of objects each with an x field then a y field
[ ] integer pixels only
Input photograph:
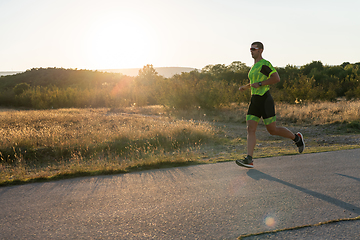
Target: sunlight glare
[{"x": 116, "y": 42}]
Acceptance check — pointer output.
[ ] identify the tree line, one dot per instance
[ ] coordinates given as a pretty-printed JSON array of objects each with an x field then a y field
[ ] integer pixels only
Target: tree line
[{"x": 211, "y": 87}]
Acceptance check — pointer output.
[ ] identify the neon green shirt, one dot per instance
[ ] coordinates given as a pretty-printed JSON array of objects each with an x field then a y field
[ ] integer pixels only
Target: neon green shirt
[{"x": 259, "y": 72}]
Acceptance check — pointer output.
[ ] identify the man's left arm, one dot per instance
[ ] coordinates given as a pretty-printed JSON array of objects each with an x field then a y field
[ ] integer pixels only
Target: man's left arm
[{"x": 274, "y": 77}]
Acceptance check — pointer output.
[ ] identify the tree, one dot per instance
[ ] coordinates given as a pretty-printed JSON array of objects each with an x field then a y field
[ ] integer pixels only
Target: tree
[
  {"x": 147, "y": 75},
  {"x": 147, "y": 86},
  {"x": 238, "y": 66},
  {"x": 306, "y": 69},
  {"x": 20, "y": 88}
]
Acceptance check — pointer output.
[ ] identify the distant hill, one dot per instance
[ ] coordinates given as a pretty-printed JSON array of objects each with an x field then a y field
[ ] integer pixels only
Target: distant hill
[
  {"x": 64, "y": 78},
  {"x": 132, "y": 72},
  {"x": 6, "y": 73},
  {"x": 59, "y": 77},
  {"x": 163, "y": 71}
]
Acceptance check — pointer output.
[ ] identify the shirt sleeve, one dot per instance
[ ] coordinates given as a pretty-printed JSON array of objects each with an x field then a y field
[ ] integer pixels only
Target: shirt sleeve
[{"x": 267, "y": 70}]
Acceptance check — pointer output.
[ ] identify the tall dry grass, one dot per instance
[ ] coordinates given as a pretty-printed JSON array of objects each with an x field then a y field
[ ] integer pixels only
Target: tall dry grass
[
  {"x": 319, "y": 113},
  {"x": 77, "y": 140},
  {"x": 302, "y": 113},
  {"x": 68, "y": 130},
  {"x": 47, "y": 143}
]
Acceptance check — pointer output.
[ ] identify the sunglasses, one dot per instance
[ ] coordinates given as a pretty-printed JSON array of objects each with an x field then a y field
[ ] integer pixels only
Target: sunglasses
[{"x": 254, "y": 48}]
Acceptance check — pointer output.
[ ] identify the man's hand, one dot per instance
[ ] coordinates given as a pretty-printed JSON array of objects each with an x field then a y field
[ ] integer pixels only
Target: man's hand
[
  {"x": 255, "y": 85},
  {"x": 245, "y": 87}
]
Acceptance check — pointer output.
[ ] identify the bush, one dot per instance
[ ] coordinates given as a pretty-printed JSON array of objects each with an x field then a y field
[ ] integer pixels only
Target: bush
[
  {"x": 212, "y": 87},
  {"x": 20, "y": 88}
]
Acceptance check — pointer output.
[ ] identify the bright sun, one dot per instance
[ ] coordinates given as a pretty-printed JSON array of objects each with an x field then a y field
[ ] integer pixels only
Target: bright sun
[{"x": 115, "y": 42}]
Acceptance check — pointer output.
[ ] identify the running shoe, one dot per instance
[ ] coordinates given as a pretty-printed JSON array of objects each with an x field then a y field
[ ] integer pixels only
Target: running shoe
[
  {"x": 245, "y": 163},
  {"x": 300, "y": 144}
]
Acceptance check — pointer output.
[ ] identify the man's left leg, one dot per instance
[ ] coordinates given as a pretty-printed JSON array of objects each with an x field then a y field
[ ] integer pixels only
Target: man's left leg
[
  {"x": 279, "y": 131},
  {"x": 286, "y": 133}
]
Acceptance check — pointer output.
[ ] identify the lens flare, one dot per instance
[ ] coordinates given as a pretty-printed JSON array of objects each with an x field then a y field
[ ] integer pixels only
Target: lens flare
[
  {"x": 270, "y": 221},
  {"x": 122, "y": 87}
]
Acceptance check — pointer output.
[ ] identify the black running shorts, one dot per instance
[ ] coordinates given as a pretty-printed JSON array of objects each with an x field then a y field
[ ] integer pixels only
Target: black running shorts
[{"x": 262, "y": 107}]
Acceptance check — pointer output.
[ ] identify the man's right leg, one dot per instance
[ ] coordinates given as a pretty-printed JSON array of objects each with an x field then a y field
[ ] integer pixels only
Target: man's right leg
[
  {"x": 251, "y": 136},
  {"x": 251, "y": 142}
]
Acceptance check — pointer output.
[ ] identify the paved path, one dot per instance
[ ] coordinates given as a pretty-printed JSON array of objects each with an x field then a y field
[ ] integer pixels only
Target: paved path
[{"x": 213, "y": 201}]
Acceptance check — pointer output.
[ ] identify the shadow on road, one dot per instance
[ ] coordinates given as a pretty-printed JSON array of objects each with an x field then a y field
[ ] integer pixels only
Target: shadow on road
[
  {"x": 355, "y": 178},
  {"x": 257, "y": 175}
]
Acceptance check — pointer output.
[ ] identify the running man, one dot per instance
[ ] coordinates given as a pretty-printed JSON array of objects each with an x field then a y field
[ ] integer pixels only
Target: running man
[{"x": 261, "y": 75}]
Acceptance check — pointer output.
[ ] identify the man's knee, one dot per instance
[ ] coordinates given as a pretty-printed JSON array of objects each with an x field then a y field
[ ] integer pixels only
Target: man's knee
[
  {"x": 251, "y": 129},
  {"x": 272, "y": 130}
]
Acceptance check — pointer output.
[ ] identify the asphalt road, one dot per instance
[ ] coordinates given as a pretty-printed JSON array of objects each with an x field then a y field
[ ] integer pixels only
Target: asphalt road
[{"x": 212, "y": 201}]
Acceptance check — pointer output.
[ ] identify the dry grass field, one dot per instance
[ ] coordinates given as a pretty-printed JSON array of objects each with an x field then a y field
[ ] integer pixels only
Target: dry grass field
[
  {"x": 52, "y": 144},
  {"x": 320, "y": 113}
]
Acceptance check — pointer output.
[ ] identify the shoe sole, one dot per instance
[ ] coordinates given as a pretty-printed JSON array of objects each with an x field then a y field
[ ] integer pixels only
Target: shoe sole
[
  {"x": 243, "y": 164},
  {"x": 301, "y": 149}
]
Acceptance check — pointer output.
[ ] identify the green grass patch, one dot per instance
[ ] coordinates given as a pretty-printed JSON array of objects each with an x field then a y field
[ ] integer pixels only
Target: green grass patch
[{"x": 350, "y": 127}]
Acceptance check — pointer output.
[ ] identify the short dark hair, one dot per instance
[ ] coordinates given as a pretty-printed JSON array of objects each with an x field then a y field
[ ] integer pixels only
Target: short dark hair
[{"x": 258, "y": 44}]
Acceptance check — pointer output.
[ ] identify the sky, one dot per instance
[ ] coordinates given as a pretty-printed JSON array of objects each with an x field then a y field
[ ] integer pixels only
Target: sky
[{"x": 105, "y": 34}]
